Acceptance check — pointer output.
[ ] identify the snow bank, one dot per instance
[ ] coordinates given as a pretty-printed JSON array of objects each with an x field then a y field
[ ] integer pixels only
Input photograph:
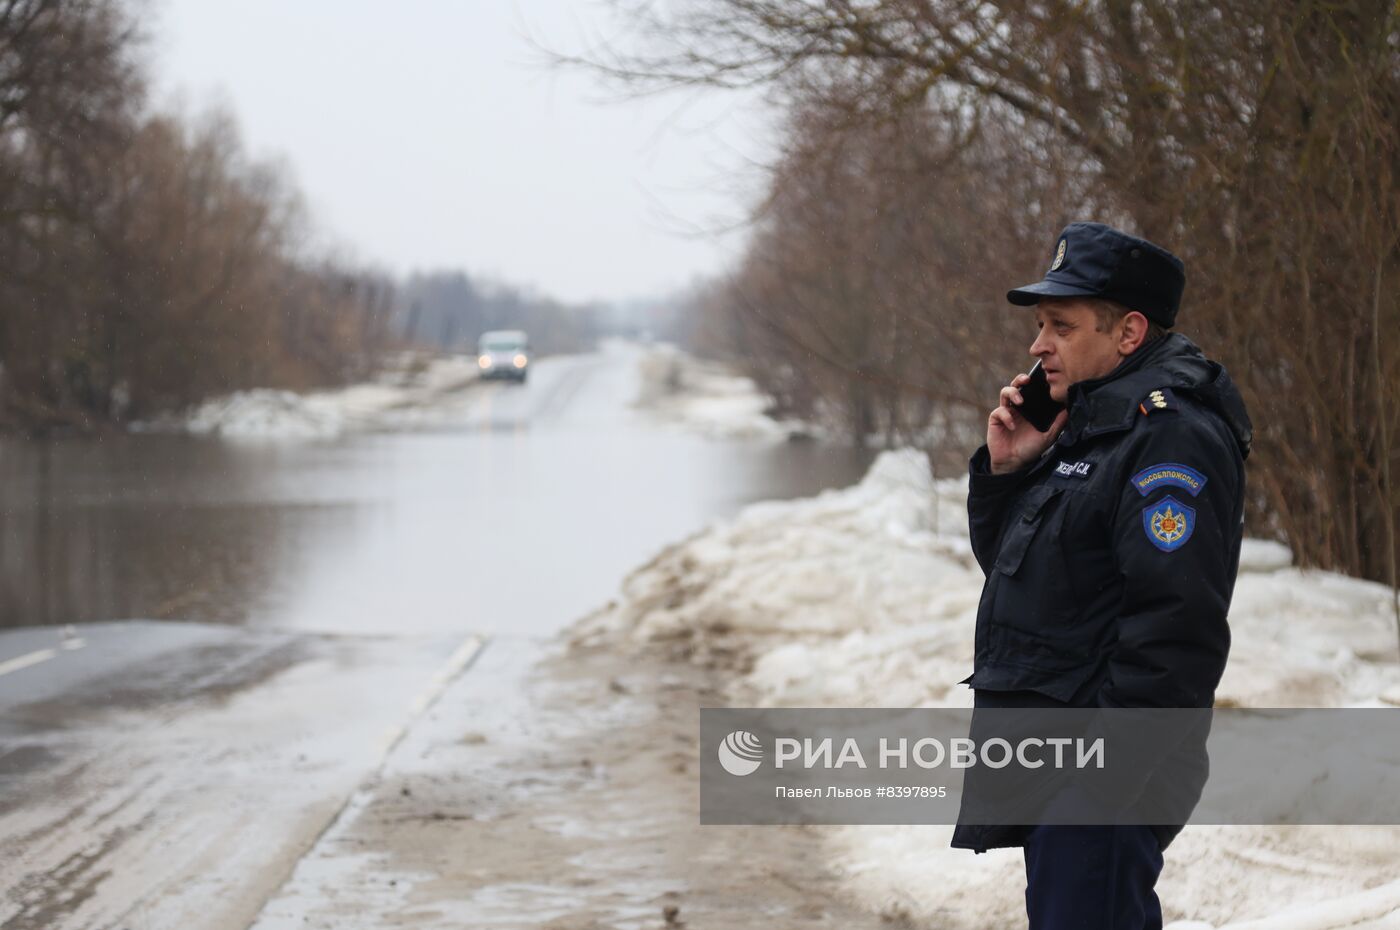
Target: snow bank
[
  {"x": 685, "y": 391},
  {"x": 867, "y": 596},
  {"x": 399, "y": 394}
]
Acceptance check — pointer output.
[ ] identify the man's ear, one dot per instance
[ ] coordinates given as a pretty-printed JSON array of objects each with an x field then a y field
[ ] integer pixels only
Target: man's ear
[{"x": 1134, "y": 332}]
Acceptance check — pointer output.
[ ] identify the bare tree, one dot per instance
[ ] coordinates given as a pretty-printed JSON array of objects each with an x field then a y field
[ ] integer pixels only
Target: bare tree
[
  {"x": 148, "y": 261},
  {"x": 1257, "y": 139}
]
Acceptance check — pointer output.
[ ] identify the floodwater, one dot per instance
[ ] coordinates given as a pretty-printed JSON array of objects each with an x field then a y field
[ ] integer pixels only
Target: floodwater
[{"x": 520, "y": 509}]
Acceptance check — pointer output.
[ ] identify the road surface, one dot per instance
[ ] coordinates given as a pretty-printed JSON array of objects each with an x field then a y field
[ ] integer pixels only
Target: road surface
[{"x": 302, "y": 607}]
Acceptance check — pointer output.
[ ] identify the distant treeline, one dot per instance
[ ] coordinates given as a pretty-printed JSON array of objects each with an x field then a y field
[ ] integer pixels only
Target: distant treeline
[
  {"x": 933, "y": 149},
  {"x": 146, "y": 262},
  {"x": 450, "y": 310}
]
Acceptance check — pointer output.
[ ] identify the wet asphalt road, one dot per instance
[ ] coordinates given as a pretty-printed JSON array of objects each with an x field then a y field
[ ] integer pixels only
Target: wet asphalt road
[{"x": 171, "y": 774}]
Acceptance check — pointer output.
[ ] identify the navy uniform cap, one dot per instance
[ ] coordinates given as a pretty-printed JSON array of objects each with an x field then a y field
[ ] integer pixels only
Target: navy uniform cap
[{"x": 1094, "y": 260}]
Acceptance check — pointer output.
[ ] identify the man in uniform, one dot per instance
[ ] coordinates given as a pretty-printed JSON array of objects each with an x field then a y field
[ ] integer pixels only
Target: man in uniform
[{"x": 1110, "y": 545}]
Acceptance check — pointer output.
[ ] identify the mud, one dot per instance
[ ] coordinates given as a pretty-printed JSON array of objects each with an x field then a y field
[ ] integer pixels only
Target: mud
[{"x": 576, "y": 808}]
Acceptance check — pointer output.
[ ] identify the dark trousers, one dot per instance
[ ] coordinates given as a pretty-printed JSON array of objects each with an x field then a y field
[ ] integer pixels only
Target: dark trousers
[{"x": 1092, "y": 878}]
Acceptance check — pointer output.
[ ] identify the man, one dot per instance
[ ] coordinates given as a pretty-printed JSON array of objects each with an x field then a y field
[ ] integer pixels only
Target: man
[{"x": 1110, "y": 544}]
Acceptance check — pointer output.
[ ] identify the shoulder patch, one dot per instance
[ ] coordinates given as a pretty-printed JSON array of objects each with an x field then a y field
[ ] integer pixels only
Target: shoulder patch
[
  {"x": 1158, "y": 399},
  {"x": 1168, "y": 523},
  {"x": 1169, "y": 474}
]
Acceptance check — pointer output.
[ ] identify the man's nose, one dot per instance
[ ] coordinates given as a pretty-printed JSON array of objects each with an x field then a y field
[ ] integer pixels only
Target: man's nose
[{"x": 1041, "y": 346}]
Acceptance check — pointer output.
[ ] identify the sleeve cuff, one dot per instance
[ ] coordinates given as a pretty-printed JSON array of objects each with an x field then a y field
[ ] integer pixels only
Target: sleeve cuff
[{"x": 981, "y": 481}]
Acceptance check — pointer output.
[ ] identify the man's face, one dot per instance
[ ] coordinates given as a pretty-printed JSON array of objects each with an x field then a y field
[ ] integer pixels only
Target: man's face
[{"x": 1070, "y": 349}]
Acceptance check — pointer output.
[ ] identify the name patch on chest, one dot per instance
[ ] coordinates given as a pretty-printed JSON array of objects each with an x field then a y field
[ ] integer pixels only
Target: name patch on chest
[{"x": 1074, "y": 469}]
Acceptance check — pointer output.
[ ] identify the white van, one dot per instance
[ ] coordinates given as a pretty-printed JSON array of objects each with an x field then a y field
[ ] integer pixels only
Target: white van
[{"x": 504, "y": 353}]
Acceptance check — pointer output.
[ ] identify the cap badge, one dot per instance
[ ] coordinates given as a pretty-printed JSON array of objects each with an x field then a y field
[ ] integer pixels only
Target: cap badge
[{"x": 1059, "y": 256}]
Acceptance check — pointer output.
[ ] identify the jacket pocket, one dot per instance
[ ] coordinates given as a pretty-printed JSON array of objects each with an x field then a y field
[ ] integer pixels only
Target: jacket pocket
[
  {"x": 1026, "y": 519},
  {"x": 1066, "y": 682}
]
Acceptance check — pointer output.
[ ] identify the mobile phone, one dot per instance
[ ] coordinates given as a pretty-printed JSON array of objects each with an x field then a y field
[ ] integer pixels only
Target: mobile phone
[{"x": 1036, "y": 405}]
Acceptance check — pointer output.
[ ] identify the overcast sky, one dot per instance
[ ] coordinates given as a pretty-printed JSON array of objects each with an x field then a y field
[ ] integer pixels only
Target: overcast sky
[{"x": 427, "y": 134}]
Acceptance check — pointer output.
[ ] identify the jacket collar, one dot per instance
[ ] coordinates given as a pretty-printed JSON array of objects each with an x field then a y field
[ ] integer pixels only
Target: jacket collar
[{"x": 1110, "y": 403}]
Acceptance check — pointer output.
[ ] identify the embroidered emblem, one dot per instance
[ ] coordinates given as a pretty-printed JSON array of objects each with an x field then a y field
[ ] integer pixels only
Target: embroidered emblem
[
  {"x": 1059, "y": 256},
  {"x": 1168, "y": 523},
  {"x": 1074, "y": 469},
  {"x": 1169, "y": 474}
]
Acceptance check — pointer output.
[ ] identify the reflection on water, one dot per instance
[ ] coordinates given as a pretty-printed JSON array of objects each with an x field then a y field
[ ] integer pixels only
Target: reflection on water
[
  {"x": 155, "y": 527},
  {"x": 500, "y": 523}
]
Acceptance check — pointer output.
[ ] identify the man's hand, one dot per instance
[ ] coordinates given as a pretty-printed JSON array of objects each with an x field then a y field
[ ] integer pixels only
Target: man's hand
[{"x": 1012, "y": 443}]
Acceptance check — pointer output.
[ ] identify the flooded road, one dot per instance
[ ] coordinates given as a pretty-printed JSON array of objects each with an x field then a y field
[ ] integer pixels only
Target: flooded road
[
  {"x": 320, "y": 597},
  {"x": 508, "y": 509}
]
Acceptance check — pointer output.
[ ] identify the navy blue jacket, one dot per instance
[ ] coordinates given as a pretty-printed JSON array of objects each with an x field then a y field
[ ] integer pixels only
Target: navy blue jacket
[{"x": 1111, "y": 560}]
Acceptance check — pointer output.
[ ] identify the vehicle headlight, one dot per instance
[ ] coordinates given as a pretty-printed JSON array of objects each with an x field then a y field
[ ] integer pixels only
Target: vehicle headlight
[
  {"x": 484, "y": 361},
  {"x": 520, "y": 361}
]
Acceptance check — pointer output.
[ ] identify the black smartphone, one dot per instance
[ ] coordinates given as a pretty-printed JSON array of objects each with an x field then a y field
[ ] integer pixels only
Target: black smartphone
[{"x": 1037, "y": 406}]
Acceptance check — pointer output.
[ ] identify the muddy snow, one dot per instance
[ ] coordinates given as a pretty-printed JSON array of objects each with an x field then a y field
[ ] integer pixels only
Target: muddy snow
[
  {"x": 867, "y": 596},
  {"x": 679, "y": 390},
  {"x": 407, "y": 392}
]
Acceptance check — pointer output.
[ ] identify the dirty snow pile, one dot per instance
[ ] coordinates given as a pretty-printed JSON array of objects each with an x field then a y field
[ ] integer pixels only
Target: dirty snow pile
[
  {"x": 680, "y": 389},
  {"x": 402, "y": 394},
  {"x": 867, "y": 596}
]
